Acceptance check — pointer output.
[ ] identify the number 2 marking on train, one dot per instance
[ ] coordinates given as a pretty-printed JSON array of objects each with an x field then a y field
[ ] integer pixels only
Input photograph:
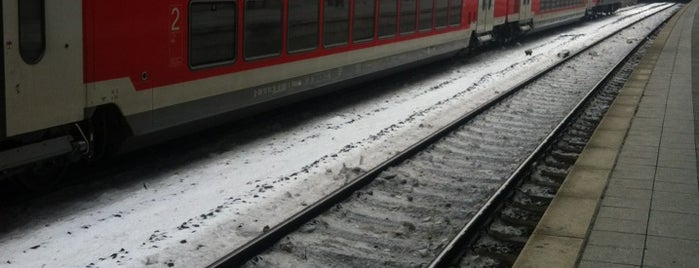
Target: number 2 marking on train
[{"x": 176, "y": 12}]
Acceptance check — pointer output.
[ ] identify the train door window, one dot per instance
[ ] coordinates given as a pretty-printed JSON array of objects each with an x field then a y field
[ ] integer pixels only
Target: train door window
[
  {"x": 425, "y": 22},
  {"x": 303, "y": 25},
  {"x": 212, "y": 33},
  {"x": 441, "y": 7},
  {"x": 387, "y": 17},
  {"x": 263, "y": 29},
  {"x": 32, "y": 37},
  {"x": 336, "y": 22},
  {"x": 408, "y": 9},
  {"x": 364, "y": 19},
  {"x": 455, "y": 12}
]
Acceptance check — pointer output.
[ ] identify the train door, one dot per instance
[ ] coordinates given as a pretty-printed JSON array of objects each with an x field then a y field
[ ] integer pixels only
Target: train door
[
  {"x": 485, "y": 16},
  {"x": 525, "y": 10},
  {"x": 43, "y": 63}
]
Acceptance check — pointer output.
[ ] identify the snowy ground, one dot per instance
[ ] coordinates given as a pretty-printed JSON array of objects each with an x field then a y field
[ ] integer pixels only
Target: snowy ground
[{"x": 186, "y": 210}]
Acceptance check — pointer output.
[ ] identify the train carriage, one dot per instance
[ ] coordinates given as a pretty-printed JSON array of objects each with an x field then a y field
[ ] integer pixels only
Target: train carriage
[{"x": 83, "y": 77}]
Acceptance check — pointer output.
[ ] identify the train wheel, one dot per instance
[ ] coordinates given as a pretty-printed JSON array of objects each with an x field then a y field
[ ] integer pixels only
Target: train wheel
[
  {"x": 109, "y": 129},
  {"x": 473, "y": 43}
]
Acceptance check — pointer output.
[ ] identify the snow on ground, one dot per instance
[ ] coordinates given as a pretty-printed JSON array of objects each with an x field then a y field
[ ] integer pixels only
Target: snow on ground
[{"x": 190, "y": 213}]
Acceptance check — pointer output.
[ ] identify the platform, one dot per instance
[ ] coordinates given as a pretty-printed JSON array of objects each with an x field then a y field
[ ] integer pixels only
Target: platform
[{"x": 632, "y": 198}]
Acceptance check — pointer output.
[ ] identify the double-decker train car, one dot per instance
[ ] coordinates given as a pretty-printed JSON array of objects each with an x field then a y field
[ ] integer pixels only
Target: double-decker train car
[{"x": 84, "y": 77}]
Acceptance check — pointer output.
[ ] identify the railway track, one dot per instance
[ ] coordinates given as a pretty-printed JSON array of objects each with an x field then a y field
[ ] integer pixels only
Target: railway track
[
  {"x": 499, "y": 239},
  {"x": 425, "y": 206}
]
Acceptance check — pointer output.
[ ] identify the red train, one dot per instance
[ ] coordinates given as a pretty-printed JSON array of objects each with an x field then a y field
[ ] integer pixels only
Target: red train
[{"x": 84, "y": 77}]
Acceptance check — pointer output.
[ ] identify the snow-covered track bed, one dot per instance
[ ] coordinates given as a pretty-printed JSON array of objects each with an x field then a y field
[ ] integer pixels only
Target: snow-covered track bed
[{"x": 419, "y": 207}]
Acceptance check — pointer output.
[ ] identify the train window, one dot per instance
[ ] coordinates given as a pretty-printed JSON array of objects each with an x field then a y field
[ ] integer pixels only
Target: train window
[
  {"x": 553, "y": 4},
  {"x": 455, "y": 12},
  {"x": 211, "y": 33},
  {"x": 441, "y": 7},
  {"x": 303, "y": 25},
  {"x": 32, "y": 37},
  {"x": 364, "y": 18},
  {"x": 408, "y": 9},
  {"x": 387, "y": 17},
  {"x": 336, "y": 22},
  {"x": 263, "y": 28},
  {"x": 425, "y": 22}
]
